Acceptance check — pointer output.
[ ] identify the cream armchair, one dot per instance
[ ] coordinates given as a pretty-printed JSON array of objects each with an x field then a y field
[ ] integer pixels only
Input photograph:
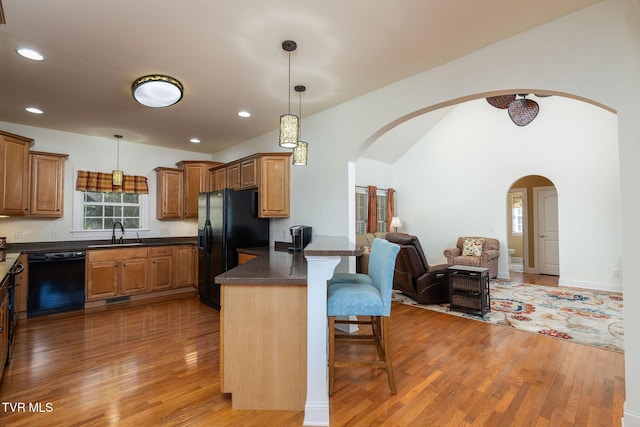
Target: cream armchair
[{"x": 475, "y": 252}]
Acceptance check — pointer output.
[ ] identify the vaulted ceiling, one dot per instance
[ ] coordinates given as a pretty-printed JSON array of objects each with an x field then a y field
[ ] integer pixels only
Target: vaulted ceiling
[{"x": 228, "y": 56}]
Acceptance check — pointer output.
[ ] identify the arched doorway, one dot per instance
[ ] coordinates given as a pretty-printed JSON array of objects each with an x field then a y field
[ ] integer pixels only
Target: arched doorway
[{"x": 532, "y": 226}]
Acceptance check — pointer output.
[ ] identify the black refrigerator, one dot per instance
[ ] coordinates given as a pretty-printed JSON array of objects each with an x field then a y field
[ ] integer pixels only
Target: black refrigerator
[{"x": 227, "y": 220}]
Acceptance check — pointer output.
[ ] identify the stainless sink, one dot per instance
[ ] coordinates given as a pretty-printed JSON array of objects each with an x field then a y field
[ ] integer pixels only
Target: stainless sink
[{"x": 114, "y": 245}]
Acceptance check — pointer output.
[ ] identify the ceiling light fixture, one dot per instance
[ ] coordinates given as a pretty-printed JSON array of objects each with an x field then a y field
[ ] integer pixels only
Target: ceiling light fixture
[
  {"x": 34, "y": 110},
  {"x": 157, "y": 90},
  {"x": 118, "y": 175},
  {"x": 289, "y": 123},
  {"x": 244, "y": 114},
  {"x": 195, "y": 140},
  {"x": 300, "y": 153},
  {"x": 522, "y": 111},
  {"x": 30, "y": 54}
]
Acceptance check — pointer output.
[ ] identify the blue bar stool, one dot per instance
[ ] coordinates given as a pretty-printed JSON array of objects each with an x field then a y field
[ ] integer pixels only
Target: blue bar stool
[{"x": 365, "y": 295}]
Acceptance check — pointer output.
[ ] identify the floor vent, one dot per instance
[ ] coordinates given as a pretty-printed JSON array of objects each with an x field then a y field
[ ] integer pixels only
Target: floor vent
[{"x": 118, "y": 299}]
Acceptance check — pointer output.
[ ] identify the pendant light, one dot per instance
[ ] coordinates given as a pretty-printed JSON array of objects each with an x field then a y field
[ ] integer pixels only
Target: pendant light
[
  {"x": 299, "y": 157},
  {"x": 289, "y": 123},
  {"x": 117, "y": 173}
]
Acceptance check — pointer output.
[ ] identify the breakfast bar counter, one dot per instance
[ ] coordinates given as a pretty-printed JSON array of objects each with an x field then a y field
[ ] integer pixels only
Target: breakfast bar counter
[{"x": 273, "y": 328}]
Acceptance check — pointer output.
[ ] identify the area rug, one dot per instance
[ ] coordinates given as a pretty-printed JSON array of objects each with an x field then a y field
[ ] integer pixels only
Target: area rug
[{"x": 582, "y": 316}]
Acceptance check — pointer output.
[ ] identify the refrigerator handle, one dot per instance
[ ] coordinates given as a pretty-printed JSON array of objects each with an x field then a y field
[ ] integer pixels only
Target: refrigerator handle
[{"x": 208, "y": 237}]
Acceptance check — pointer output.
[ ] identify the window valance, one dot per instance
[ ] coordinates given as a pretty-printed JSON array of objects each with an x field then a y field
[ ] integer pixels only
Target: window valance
[{"x": 103, "y": 183}]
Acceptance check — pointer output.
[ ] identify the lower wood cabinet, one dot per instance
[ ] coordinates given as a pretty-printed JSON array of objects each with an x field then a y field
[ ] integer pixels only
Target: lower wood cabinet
[
  {"x": 22, "y": 286},
  {"x": 185, "y": 267},
  {"x": 160, "y": 268},
  {"x": 116, "y": 272},
  {"x": 119, "y": 272},
  {"x": 4, "y": 326}
]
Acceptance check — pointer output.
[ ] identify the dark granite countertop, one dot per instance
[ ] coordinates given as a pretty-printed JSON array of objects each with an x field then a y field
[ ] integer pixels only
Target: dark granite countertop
[
  {"x": 274, "y": 266},
  {"x": 269, "y": 268},
  {"x": 82, "y": 245}
]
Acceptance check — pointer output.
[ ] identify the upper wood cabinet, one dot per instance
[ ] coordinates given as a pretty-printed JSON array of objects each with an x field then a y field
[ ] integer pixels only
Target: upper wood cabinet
[
  {"x": 196, "y": 180},
  {"x": 233, "y": 176},
  {"x": 14, "y": 174},
  {"x": 47, "y": 184},
  {"x": 273, "y": 185},
  {"x": 169, "y": 193},
  {"x": 217, "y": 178}
]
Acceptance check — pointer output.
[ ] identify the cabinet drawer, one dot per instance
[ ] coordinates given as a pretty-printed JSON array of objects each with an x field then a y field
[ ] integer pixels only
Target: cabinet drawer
[
  {"x": 161, "y": 251},
  {"x": 116, "y": 254}
]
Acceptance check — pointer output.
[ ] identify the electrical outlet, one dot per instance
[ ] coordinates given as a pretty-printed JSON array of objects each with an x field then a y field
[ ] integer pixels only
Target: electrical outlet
[
  {"x": 54, "y": 232},
  {"x": 19, "y": 234}
]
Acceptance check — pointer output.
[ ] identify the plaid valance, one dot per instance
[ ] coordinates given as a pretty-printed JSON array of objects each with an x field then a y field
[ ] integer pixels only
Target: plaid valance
[{"x": 103, "y": 183}]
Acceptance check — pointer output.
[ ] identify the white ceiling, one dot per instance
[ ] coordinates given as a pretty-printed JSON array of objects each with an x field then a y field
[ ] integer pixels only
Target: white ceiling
[{"x": 229, "y": 57}]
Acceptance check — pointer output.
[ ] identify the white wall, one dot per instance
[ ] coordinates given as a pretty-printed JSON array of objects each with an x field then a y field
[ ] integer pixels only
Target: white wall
[
  {"x": 96, "y": 154},
  {"x": 454, "y": 182}
]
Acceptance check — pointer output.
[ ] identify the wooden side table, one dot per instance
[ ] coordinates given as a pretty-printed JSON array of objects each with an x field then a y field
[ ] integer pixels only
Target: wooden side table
[{"x": 469, "y": 289}]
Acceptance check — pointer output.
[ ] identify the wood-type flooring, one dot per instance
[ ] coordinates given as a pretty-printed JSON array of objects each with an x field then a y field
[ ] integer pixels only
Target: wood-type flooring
[{"x": 156, "y": 363}]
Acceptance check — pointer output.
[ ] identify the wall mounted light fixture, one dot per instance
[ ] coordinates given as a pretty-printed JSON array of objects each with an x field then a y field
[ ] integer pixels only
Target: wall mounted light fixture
[
  {"x": 289, "y": 123},
  {"x": 157, "y": 90}
]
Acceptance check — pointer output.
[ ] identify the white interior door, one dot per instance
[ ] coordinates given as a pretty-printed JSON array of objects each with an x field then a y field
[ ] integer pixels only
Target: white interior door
[{"x": 547, "y": 231}]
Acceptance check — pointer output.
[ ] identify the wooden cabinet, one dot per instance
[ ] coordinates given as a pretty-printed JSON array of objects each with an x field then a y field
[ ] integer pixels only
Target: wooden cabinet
[
  {"x": 14, "y": 174},
  {"x": 116, "y": 272},
  {"x": 249, "y": 173},
  {"x": 4, "y": 325},
  {"x": 273, "y": 185},
  {"x": 218, "y": 178},
  {"x": 185, "y": 269},
  {"x": 46, "y": 184},
  {"x": 233, "y": 176},
  {"x": 169, "y": 193},
  {"x": 22, "y": 288},
  {"x": 195, "y": 180},
  {"x": 160, "y": 268},
  {"x": 243, "y": 258}
]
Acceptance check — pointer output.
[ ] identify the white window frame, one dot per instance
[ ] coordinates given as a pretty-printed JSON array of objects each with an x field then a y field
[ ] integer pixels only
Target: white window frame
[
  {"x": 381, "y": 221},
  {"x": 78, "y": 218},
  {"x": 517, "y": 215}
]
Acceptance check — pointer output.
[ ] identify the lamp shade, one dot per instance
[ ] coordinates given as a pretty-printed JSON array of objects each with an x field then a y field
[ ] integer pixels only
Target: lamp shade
[
  {"x": 157, "y": 90},
  {"x": 395, "y": 222},
  {"x": 289, "y": 126},
  {"x": 117, "y": 177},
  {"x": 300, "y": 154}
]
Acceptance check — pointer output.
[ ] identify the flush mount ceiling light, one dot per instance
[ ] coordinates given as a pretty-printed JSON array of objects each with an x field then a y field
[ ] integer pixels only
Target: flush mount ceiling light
[
  {"x": 157, "y": 90},
  {"x": 300, "y": 153},
  {"x": 117, "y": 174},
  {"x": 289, "y": 122}
]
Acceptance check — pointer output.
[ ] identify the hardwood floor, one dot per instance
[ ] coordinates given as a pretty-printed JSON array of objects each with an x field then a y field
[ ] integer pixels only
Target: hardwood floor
[
  {"x": 156, "y": 363},
  {"x": 533, "y": 279}
]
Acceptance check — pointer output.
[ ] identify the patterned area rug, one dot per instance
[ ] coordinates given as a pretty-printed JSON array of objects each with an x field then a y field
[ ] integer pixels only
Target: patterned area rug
[{"x": 583, "y": 316}]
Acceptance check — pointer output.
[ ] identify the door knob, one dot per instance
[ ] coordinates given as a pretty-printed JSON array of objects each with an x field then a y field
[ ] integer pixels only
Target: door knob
[{"x": 543, "y": 235}]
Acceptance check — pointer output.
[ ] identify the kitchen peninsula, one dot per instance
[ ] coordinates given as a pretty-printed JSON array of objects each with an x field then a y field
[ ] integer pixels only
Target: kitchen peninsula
[{"x": 273, "y": 328}]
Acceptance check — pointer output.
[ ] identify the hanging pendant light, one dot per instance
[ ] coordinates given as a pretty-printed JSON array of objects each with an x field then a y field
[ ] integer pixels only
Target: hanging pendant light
[
  {"x": 299, "y": 157},
  {"x": 289, "y": 123},
  {"x": 117, "y": 173}
]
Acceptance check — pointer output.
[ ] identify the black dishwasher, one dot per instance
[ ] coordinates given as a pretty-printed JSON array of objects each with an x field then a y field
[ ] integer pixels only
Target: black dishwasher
[{"x": 56, "y": 282}]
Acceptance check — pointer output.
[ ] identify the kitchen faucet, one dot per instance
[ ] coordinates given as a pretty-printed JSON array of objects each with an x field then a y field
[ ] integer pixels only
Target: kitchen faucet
[{"x": 113, "y": 232}]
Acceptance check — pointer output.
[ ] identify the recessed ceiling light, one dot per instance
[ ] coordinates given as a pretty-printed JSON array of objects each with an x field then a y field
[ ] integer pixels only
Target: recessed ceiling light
[
  {"x": 244, "y": 114},
  {"x": 30, "y": 54},
  {"x": 195, "y": 140},
  {"x": 34, "y": 110}
]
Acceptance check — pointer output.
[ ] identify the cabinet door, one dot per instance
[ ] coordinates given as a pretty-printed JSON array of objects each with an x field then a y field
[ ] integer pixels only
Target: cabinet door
[
  {"x": 160, "y": 268},
  {"x": 47, "y": 184},
  {"x": 102, "y": 279},
  {"x": 249, "y": 173},
  {"x": 169, "y": 194},
  {"x": 218, "y": 179},
  {"x": 194, "y": 183},
  {"x": 134, "y": 276},
  {"x": 274, "y": 186},
  {"x": 14, "y": 175},
  {"x": 183, "y": 266},
  {"x": 4, "y": 327},
  {"x": 233, "y": 176}
]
